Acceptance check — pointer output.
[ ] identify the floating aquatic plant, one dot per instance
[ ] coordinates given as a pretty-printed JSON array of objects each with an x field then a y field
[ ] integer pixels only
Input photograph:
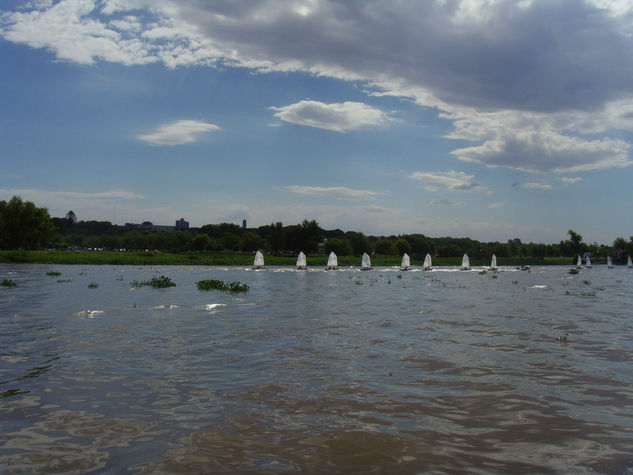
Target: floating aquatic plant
[
  {"x": 8, "y": 283},
  {"x": 494, "y": 276},
  {"x": 93, "y": 285},
  {"x": 53, "y": 272},
  {"x": 586, "y": 282},
  {"x": 214, "y": 284},
  {"x": 161, "y": 282},
  {"x": 574, "y": 271},
  {"x": 63, "y": 281}
]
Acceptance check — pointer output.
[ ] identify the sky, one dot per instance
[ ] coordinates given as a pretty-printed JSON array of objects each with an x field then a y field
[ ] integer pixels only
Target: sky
[{"x": 487, "y": 119}]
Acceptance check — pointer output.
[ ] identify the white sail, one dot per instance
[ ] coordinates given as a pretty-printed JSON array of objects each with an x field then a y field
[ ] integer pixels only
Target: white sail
[
  {"x": 366, "y": 262},
  {"x": 493, "y": 262},
  {"x": 465, "y": 262},
  {"x": 588, "y": 262},
  {"x": 427, "y": 262},
  {"x": 579, "y": 262},
  {"x": 629, "y": 262},
  {"x": 332, "y": 261},
  {"x": 609, "y": 262},
  {"x": 406, "y": 262},
  {"x": 259, "y": 260},
  {"x": 301, "y": 261}
]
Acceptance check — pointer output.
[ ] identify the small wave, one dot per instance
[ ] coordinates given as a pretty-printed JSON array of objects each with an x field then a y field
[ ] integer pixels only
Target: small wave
[
  {"x": 89, "y": 313},
  {"x": 539, "y": 287},
  {"x": 161, "y": 307},
  {"x": 213, "y": 306}
]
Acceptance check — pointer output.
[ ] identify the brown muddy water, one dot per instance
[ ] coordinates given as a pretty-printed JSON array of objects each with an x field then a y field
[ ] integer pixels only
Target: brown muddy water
[{"x": 312, "y": 371}]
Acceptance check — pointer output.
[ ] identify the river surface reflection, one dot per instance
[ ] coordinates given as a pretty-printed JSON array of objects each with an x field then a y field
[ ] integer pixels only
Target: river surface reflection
[{"x": 317, "y": 371}]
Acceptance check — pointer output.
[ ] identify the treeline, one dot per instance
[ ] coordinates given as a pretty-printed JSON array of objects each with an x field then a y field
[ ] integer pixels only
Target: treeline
[{"x": 24, "y": 226}]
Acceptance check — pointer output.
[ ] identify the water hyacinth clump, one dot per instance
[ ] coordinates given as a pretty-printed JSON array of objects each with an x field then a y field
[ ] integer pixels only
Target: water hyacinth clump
[
  {"x": 214, "y": 284},
  {"x": 53, "y": 273},
  {"x": 161, "y": 282},
  {"x": 8, "y": 283}
]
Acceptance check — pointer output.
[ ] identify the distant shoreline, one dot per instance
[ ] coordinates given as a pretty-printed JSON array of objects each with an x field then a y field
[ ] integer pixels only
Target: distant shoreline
[{"x": 244, "y": 259}]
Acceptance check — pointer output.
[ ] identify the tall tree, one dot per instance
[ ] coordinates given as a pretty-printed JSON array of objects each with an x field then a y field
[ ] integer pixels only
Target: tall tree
[{"x": 23, "y": 225}]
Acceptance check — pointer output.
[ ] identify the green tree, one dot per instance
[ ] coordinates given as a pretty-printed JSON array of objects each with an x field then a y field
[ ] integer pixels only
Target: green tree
[
  {"x": 23, "y": 225},
  {"x": 200, "y": 242},
  {"x": 359, "y": 242},
  {"x": 340, "y": 246},
  {"x": 401, "y": 246},
  {"x": 383, "y": 246},
  {"x": 251, "y": 242}
]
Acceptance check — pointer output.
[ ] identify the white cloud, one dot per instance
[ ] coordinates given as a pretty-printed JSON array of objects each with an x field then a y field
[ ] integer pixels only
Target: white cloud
[
  {"x": 526, "y": 95},
  {"x": 451, "y": 180},
  {"x": 570, "y": 180},
  {"x": 532, "y": 186},
  {"x": 447, "y": 202},
  {"x": 178, "y": 133},
  {"x": 340, "y": 117},
  {"x": 339, "y": 192},
  {"x": 495, "y": 205}
]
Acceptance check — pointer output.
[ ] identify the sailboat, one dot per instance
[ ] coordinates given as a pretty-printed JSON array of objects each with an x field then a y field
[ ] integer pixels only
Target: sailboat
[
  {"x": 406, "y": 262},
  {"x": 465, "y": 262},
  {"x": 629, "y": 263},
  {"x": 332, "y": 262},
  {"x": 301, "y": 261},
  {"x": 258, "y": 263},
  {"x": 366, "y": 262},
  {"x": 493, "y": 263},
  {"x": 579, "y": 262},
  {"x": 609, "y": 262},
  {"x": 588, "y": 262},
  {"x": 428, "y": 265}
]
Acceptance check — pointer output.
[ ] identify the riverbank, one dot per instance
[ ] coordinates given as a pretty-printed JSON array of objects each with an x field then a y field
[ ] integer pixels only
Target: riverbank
[{"x": 238, "y": 259}]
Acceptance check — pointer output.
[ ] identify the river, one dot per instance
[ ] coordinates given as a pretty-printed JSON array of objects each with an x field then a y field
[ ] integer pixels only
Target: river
[{"x": 316, "y": 371}]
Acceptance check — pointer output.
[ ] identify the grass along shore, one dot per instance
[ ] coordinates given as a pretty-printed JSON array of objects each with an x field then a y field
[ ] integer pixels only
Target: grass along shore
[{"x": 244, "y": 259}]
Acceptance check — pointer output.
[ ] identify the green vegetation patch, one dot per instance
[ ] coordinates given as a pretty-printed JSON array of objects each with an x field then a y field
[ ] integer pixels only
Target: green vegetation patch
[
  {"x": 53, "y": 273},
  {"x": 161, "y": 282},
  {"x": 93, "y": 285},
  {"x": 214, "y": 284},
  {"x": 574, "y": 271},
  {"x": 7, "y": 283}
]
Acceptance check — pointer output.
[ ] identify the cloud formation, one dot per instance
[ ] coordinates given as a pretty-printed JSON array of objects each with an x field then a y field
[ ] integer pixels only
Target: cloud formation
[
  {"x": 178, "y": 133},
  {"x": 447, "y": 202},
  {"x": 451, "y": 180},
  {"x": 340, "y": 117},
  {"x": 527, "y": 82},
  {"x": 339, "y": 192}
]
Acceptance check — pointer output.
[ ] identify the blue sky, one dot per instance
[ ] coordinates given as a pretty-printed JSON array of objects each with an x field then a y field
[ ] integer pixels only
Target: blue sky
[{"x": 484, "y": 118}]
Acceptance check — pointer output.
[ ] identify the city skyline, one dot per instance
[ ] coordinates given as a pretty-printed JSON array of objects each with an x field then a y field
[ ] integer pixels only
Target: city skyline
[{"x": 475, "y": 118}]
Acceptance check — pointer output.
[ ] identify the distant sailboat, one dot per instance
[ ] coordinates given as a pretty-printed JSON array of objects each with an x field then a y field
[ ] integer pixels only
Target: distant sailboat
[
  {"x": 332, "y": 261},
  {"x": 629, "y": 263},
  {"x": 406, "y": 262},
  {"x": 301, "y": 261},
  {"x": 465, "y": 262},
  {"x": 579, "y": 262},
  {"x": 258, "y": 263},
  {"x": 366, "y": 262},
  {"x": 609, "y": 262},
  {"x": 588, "y": 262},
  {"x": 493, "y": 263},
  {"x": 428, "y": 265}
]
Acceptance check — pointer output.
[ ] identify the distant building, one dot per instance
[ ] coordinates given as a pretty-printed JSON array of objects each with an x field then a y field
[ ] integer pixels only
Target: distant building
[
  {"x": 182, "y": 225},
  {"x": 243, "y": 224}
]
